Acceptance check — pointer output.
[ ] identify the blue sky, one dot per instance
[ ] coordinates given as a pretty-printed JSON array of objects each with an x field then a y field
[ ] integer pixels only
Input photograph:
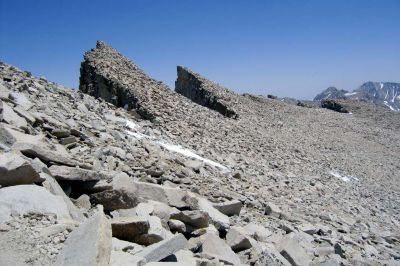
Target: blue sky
[{"x": 282, "y": 47}]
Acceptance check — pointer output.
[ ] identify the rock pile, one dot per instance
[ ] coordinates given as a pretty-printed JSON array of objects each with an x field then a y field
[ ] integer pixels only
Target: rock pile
[{"x": 129, "y": 176}]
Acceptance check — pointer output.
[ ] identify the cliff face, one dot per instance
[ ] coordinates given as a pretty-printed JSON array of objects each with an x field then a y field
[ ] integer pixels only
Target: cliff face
[
  {"x": 109, "y": 75},
  {"x": 204, "y": 92}
]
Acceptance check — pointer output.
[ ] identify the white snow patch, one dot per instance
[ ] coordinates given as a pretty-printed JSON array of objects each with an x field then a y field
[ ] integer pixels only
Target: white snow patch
[
  {"x": 138, "y": 135},
  {"x": 131, "y": 125},
  {"x": 350, "y": 93},
  {"x": 189, "y": 153},
  {"x": 394, "y": 96},
  {"x": 171, "y": 147},
  {"x": 343, "y": 177},
  {"x": 381, "y": 85},
  {"x": 388, "y": 105}
]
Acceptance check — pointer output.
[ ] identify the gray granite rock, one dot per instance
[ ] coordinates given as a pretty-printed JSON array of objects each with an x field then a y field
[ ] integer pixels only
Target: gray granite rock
[
  {"x": 89, "y": 244},
  {"x": 15, "y": 170}
]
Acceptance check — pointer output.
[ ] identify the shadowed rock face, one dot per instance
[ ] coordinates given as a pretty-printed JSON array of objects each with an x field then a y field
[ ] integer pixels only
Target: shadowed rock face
[
  {"x": 107, "y": 74},
  {"x": 334, "y": 105},
  {"x": 204, "y": 92}
]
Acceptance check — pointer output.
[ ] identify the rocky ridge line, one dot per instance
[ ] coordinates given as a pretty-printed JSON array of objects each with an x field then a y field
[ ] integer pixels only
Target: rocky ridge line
[{"x": 204, "y": 92}]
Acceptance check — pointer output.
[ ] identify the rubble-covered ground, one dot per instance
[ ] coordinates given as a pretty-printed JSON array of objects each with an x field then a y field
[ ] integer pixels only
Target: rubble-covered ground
[{"x": 182, "y": 182}]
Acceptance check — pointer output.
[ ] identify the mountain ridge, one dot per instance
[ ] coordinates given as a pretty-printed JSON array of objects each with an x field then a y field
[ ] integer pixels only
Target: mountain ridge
[{"x": 381, "y": 93}]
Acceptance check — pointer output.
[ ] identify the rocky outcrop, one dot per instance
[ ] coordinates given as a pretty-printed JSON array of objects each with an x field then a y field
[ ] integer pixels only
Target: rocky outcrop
[
  {"x": 334, "y": 105},
  {"x": 205, "y": 92},
  {"x": 107, "y": 74}
]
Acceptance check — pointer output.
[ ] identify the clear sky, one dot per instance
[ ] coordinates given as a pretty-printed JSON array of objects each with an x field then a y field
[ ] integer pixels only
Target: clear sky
[{"x": 287, "y": 48}]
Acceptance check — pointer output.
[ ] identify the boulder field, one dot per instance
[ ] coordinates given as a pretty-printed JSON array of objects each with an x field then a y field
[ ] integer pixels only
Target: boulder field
[{"x": 126, "y": 171}]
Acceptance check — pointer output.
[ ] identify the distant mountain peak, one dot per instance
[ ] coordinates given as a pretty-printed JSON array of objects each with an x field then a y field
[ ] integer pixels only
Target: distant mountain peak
[
  {"x": 331, "y": 93},
  {"x": 381, "y": 93}
]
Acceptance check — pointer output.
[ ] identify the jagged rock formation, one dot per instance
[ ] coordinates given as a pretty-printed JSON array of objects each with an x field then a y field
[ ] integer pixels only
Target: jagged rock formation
[
  {"x": 279, "y": 185},
  {"x": 107, "y": 74},
  {"x": 380, "y": 93},
  {"x": 384, "y": 93},
  {"x": 331, "y": 93},
  {"x": 204, "y": 92}
]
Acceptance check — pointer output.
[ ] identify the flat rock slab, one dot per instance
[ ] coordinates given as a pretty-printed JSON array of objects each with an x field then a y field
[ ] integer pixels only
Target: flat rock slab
[
  {"x": 89, "y": 244},
  {"x": 216, "y": 247},
  {"x": 61, "y": 172},
  {"x": 10, "y": 117},
  {"x": 10, "y": 137},
  {"x": 196, "y": 219},
  {"x": 15, "y": 170},
  {"x": 229, "y": 208},
  {"x": 237, "y": 239},
  {"x": 129, "y": 228},
  {"x": 291, "y": 250},
  {"x": 155, "y": 234},
  {"x": 121, "y": 258},
  {"x": 25, "y": 199},
  {"x": 127, "y": 193},
  {"x": 43, "y": 153},
  {"x": 220, "y": 220},
  {"x": 258, "y": 232},
  {"x": 162, "y": 249}
]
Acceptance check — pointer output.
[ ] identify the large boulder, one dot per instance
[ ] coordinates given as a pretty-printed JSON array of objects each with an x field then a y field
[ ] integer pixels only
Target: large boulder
[
  {"x": 220, "y": 220},
  {"x": 52, "y": 185},
  {"x": 127, "y": 193},
  {"x": 238, "y": 239},
  {"x": 213, "y": 246},
  {"x": 163, "y": 249},
  {"x": 257, "y": 232},
  {"x": 44, "y": 153},
  {"x": 61, "y": 172},
  {"x": 25, "y": 199},
  {"x": 15, "y": 170},
  {"x": 229, "y": 208},
  {"x": 156, "y": 232},
  {"x": 291, "y": 250},
  {"x": 196, "y": 219},
  {"x": 129, "y": 228},
  {"x": 89, "y": 244}
]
